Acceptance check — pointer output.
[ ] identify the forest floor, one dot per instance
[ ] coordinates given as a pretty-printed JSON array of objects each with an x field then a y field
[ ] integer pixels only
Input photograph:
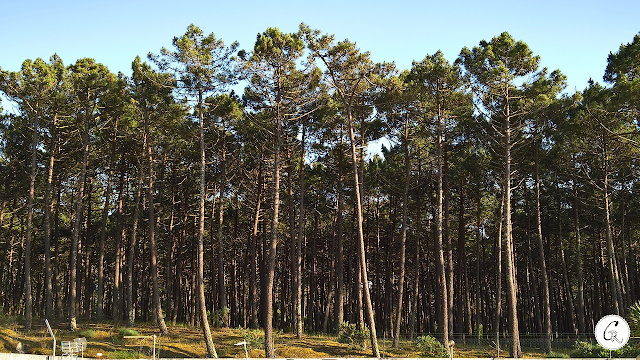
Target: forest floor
[{"x": 187, "y": 342}]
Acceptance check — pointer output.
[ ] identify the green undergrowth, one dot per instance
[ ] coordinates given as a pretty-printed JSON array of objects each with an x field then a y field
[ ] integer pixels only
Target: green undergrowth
[{"x": 185, "y": 341}]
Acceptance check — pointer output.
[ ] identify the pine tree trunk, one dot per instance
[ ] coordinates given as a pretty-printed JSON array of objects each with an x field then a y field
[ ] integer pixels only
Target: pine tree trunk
[
  {"x": 157, "y": 306},
  {"x": 75, "y": 239},
  {"x": 403, "y": 240},
  {"x": 580, "y": 280},
  {"x": 443, "y": 312},
  {"x": 202, "y": 306},
  {"x": 546, "y": 306},
  {"x": 117, "y": 282},
  {"x": 271, "y": 262},
  {"x": 297, "y": 306},
  {"x": 53, "y": 148},
  {"x": 222, "y": 292},
  {"x": 131, "y": 315},
  {"x": 103, "y": 234},
  {"x": 253, "y": 255},
  {"x": 340, "y": 287},
  {"x": 28, "y": 301},
  {"x": 359, "y": 221},
  {"x": 515, "y": 350}
]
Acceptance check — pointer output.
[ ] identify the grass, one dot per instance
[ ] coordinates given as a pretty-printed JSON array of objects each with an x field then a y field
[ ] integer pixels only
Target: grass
[{"x": 187, "y": 342}]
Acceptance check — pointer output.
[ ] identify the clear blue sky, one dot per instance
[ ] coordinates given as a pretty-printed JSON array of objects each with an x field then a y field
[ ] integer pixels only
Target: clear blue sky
[{"x": 573, "y": 36}]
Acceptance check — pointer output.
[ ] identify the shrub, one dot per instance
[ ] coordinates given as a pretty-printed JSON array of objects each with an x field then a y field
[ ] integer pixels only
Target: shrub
[
  {"x": 633, "y": 317},
  {"x": 429, "y": 346},
  {"x": 221, "y": 318},
  {"x": 349, "y": 334},
  {"x": 583, "y": 349},
  {"x": 556, "y": 355},
  {"x": 127, "y": 332},
  {"x": 89, "y": 333},
  {"x": 122, "y": 354},
  {"x": 254, "y": 338}
]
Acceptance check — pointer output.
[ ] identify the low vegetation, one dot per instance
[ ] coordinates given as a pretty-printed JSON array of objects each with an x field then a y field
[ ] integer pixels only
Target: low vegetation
[{"x": 183, "y": 341}]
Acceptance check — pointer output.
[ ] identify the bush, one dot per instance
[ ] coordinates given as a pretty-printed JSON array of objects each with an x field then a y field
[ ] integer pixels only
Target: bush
[
  {"x": 583, "y": 349},
  {"x": 349, "y": 334},
  {"x": 254, "y": 338},
  {"x": 556, "y": 355},
  {"x": 429, "y": 346},
  {"x": 89, "y": 334},
  {"x": 633, "y": 315},
  {"x": 221, "y": 318},
  {"x": 127, "y": 332},
  {"x": 122, "y": 354}
]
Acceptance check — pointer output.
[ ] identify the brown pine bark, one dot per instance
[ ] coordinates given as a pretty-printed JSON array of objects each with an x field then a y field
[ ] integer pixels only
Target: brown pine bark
[
  {"x": 273, "y": 246},
  {"x": 202, "y": 306},
  {"x": 546, "y": 305},
  {"x": 340, "y": 287},
  {"x": 103, "y": 232},
  {"x": 362, "y": 254},
  {"x": 515, "y": 349},
  {"x": 131, "y": 315},
  {"x": 297, "y": 305},
  {"x": 157, "y": 305},
  {"x": 75, "y": 238},
  {"x": 28, "y": 301},
  {"x": 253, "y": 254},
  {"x": 443, "y": 312},
  {"x": 403, "y": 240},
  {"x": 53, "y": 148}
]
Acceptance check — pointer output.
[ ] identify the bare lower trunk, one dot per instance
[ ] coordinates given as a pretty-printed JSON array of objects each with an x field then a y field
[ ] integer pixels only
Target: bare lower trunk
[
  {"x": 580, "y": 280},
  {"x": 543, "y": 263},
  {"x": 339, "y": 307},
  {"x": 403, "y": 241},
  {"x": 131, "y": 315},
  {"x": 47, "y": 222},
  {"x": 75, "y": 239},
  {"x": 297, "y": 306},
  {"x": 103, "y": 235},
  {"x": 271, "y": 262},
  {"x": 253, "y": 244},
  {"x": 363, "y": 262},
  {"x": 28, "y": 305},
  {"x": 440, "y": 264},
  {"x": 202, "y": 306},
  {"x": 157, "y": 306},
  {"x": 515, "y": 350}
]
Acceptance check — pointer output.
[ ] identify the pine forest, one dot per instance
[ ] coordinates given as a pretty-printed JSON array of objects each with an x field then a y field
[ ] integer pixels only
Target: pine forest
[{"x": 216, "y": 186}]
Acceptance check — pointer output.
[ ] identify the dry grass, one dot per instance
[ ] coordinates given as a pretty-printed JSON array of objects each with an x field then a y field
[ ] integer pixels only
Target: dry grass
[{"x": 187, "y": 342}]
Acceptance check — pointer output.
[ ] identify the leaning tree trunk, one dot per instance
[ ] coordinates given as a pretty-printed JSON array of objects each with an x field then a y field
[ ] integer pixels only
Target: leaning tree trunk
[
  {"x": 363, "y": 263},
  {"x": 202, "y": 306},
  {"x": 515, "y": 350},
  {"x": 157, "y": 306}
]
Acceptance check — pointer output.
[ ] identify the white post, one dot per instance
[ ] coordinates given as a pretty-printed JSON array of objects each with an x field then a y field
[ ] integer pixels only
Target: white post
[
  {"x": 46, "y": 322},
  {"x": 154, "y": 346}
]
